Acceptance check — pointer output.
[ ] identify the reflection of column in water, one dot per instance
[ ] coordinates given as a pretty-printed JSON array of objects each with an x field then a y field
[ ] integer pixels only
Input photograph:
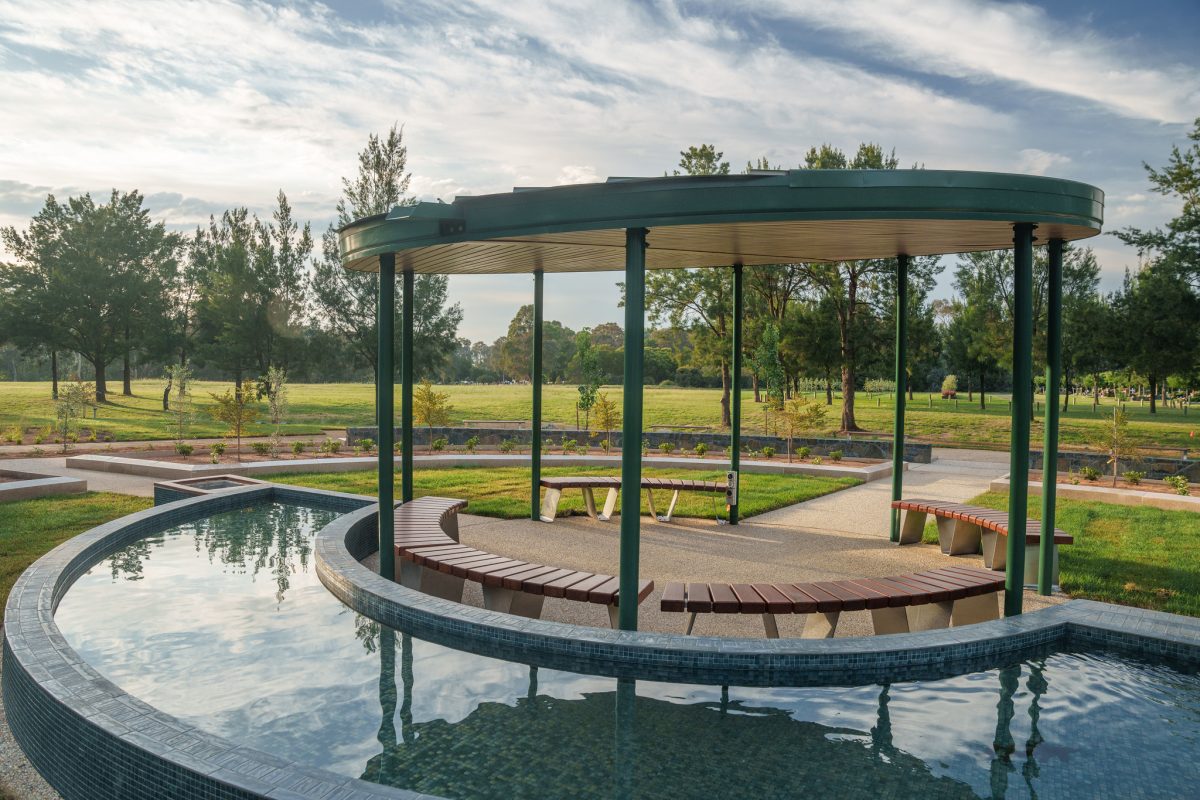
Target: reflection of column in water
[
  {"x": 881, "y": 734},
  {"x": 724, "y": 699},
  {"x": 1010, "y": 680},
  {"x": 532, "y": 693},
  {"x": 406, "y": 676},
  {"x": 387, "y": 697},
  {"x": 1037, "y": 685},
  {"x": 625, "y": 750}
]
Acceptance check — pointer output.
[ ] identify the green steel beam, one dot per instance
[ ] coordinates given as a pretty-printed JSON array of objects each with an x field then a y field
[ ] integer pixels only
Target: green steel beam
[
  {"x": 1050, "y": 446},
  {"x": 901, "y": 382},
  {"x": 406, "y": 392},
  {"x": 1022, "y": 383},
  {"x": 535, "y": 376},
  {"x": 631, "y": 432},
  {"x": 735, "y": 410},
  {"x": 384, "y": 413}
]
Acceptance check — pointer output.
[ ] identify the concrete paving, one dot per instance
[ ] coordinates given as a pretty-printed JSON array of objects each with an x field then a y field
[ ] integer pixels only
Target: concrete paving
[{"x": 97, "y": 481}]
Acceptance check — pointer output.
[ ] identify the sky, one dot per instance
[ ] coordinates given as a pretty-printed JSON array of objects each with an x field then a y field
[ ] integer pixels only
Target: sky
[{"x": 206, "y": 105}]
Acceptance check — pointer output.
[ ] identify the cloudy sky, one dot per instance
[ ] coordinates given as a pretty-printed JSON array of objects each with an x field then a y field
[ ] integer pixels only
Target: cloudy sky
[{"x": 211, "y": 104}]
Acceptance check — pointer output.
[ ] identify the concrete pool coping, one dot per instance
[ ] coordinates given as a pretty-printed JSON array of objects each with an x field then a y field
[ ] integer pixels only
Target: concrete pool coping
[
  {"x": 90, "y": 739},
  {"x": 30, "y": 485}
]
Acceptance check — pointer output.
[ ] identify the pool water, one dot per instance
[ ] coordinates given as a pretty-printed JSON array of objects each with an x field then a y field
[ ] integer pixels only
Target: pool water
[{"x": 223, "y": 623}]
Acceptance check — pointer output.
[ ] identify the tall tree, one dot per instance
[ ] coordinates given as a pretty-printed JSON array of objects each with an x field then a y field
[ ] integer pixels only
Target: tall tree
[
  {"x": 347, "y": 302},
  {"x": 94, "y": 273},
  {"x": 1159, "y": 313}
]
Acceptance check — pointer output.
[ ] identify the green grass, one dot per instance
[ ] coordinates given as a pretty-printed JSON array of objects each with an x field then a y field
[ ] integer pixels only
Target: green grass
[
  {"x": 1131, "y": 555},
  {"x": 31, "y": 528},
  {"x": 335, "y": 405},
  {"x": 504, "y": 492}
]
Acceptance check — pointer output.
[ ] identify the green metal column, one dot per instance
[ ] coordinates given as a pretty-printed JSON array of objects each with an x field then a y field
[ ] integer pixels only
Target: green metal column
[
  {"x": 385, "y": 377},
  {"x": 406, "y": 391},
  {"x": 1022, "y": 379},
  {"x": 1050, "y": 446},
  {"x": 735, "y": 410},
  {"x": 901, "y": 381},
  {"x": 535, "y": 377},
  {"x": 631, "y": 432}
]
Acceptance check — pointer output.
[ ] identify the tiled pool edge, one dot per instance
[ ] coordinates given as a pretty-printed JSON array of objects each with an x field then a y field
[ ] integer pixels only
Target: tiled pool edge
[
  {"x": 738, "y": 662},
  {"x": 88, "y": 738}
]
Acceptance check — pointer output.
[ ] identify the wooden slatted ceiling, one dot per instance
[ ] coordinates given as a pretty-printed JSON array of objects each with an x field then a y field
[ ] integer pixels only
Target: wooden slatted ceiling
[{"x": 673, "y": 247}]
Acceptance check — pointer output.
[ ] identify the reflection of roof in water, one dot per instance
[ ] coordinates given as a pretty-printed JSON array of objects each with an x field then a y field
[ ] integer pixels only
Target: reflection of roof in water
[{"x": 548, "y": 747}]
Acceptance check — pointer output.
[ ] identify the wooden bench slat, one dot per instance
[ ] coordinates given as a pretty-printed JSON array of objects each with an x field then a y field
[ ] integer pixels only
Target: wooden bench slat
[
  {"x": 850, "y": 600},
  {"x": 674, "y": 597},
  {"x": 871, "y": 597},
  {"x": 749, "y": 601},
  {"x": 558, "y": 587},
  {"x": 537, "y": 584},
  {"x": 824, "y": 600},
  {"x": 606, "y": 592},
  {"x": 579, "y": 591},
  {"x": 699, "y": 598},
  {"x": 516, "y": 580},
  {"x": 777, "y": 602},
  {"x": 801, "y": 602},
  {"x": 724, "y": 601}
]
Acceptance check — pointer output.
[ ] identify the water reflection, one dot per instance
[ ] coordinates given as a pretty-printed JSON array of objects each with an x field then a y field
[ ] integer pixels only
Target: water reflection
[{"x": 186, "y": 621}]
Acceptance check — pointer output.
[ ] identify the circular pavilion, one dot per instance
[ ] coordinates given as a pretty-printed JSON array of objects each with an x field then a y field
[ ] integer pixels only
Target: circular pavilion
[{"x": 728, "y": 221}]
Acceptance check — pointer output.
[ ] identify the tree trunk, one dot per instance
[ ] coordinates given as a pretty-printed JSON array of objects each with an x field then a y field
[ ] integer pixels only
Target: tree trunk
[
  {"x": 53, "y": 374},
  {"x": 1153, "y": 395},
  {"x": 725, "y": 419},
  {"x": 982, "y": 394},
  {"x": 101, "y": 383},
  {"x": 754, "y": 383},
  {"x": 848, "y": 422},
  {"x": 167, "y": 393},
  {"x": 1095, "y": 391},
  {"x": 126, "y": 377},
  {"x": 1066, "y": 391},
  {"x": 828, "y": 389}
]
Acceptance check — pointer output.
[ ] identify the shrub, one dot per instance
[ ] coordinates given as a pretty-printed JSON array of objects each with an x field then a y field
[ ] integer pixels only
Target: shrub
[
  {"x": 568, "y": 445},
  {"x": 949, "y": 386},
  {"x": 728, "y": 451},
  {"x": 768, "y": 451},
  {"x": 816, "y": 460},
  {"x": 835, "y": 456},
  {"x": 331, "y": 446},
  {"x": 582, "y": 450},
  {"x": 261, "y": 448},
  {"x": 605, "y": 445},
  {"x": 214, "y": 457},
  {"x": 645, "y": 447},
  {"x": 217, "y": 448},
  {"x": 39, "y": 438},
  {"x": 804, "y": 452},
  {"x": 507, "y": 446},
  {"x": 471, "y": 444},
  {"x": 667, "y": 448},
  {"x": 1133, "y": 477},
  {"x": 297, "y": 448},
  {"x": 183, "y": 448},
  {"x": 439, "y": 444},
  {"x": 1089, "y": 473},
  {"x": 700, "y": 449},
  {"x": 1179, "y": 483},
  {"x": 367, "y": 444},
  {"x": 13, "y": 435}
]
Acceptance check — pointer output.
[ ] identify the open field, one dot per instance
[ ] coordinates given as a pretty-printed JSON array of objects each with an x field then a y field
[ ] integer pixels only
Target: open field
[
  {"x": 314, "y": 407},
  {"x": 1132, "y": 555},
  {"x": 504, "y": 492},
  {"x": 31, "y": 528}
]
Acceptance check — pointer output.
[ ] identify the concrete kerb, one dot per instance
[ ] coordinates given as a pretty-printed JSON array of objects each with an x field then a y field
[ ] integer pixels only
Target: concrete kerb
[
  {"x": 1109, "y": 494},
  {"x": 170, "y": 470},
  {"x": 30, "y": 485}
]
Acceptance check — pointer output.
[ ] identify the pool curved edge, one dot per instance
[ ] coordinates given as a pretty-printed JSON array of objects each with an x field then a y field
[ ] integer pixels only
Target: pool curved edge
[
  {"x": 91, "y": 740},
  {"x": 924, "y": 655}
]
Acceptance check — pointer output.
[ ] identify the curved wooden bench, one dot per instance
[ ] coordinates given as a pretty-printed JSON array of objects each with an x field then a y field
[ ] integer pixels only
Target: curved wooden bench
[
  {"x": 554, "y": 488},
  {"x": 964, "y": 529},
  {"x": 898, "y": 604},
  {"x": 431, "y": 560}
]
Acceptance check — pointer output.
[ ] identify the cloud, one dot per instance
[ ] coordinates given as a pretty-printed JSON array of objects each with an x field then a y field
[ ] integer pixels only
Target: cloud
[
  {"x": 1039, "y": 162},
  {"x": 1016, "y": 42},
  {"x": 572, "y": 173}
]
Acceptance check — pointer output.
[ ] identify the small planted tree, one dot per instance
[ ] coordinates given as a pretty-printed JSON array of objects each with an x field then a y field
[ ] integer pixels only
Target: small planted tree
[
  {"x": 69, "y": 409},
  {"x": 179, "y": 382},
  {"x": 799, "y": 415},
  {"x": 237, "y": 408},
  {"x": 431, "y": 408},
  {"x": 1115, "y": 441},
  {"x": 949, "y": 387},
  {"x": 607, "y": 418}
]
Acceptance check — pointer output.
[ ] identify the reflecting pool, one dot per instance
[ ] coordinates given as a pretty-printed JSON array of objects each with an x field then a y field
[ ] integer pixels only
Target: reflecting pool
[{"x": 223, "y": 623}]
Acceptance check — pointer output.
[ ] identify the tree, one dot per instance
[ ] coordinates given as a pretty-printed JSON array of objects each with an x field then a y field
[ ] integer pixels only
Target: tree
[
  {"x": 515, "y": 350},
  {"x": 91, "y": 276},
  {"x": 608, "y": 418},
  {"x": 179, "y": 378},
  {"x": 431, "y": 408},
  {"x": 1114, "y": 440},
  {"x": 848, "y": 285},
  {"x": 801, "y": 414},
  {"x": 770, "y": 368},
  {"x": 238, "y": 409},
  {"x": 346, "y": 301},
  {"x": 1160, "y": 335},
  {"x": 1179, "y": 243}
]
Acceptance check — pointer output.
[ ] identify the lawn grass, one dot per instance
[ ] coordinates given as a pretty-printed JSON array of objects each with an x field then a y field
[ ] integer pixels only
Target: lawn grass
[
  {"x": 314, "y": 407},
  {"x": 31, "y": 528},
  {"x": 504, "y": 492},
  {"x": 1131, "y": 555}
]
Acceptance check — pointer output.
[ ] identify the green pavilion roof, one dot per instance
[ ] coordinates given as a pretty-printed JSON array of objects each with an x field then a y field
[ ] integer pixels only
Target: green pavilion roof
[{"x": 703, "y": 221}]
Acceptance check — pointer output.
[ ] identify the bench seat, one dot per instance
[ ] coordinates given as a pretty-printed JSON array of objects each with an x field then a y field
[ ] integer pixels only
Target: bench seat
[
  {"x": 430, "y": 559},
  {"x": 965, "y": 530},
  {"x": 898, "y": 604},
  {"x": 555, "y": 486}
]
